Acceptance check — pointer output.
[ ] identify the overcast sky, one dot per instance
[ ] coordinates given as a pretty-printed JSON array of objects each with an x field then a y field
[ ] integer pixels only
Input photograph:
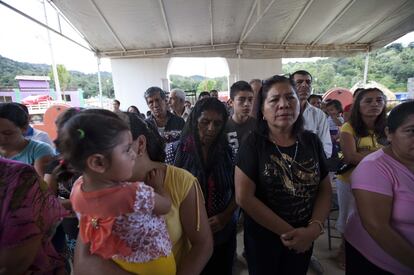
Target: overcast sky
[{"x": 25, "y": 41}]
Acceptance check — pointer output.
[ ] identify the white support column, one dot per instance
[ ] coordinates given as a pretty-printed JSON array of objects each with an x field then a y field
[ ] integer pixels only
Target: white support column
[
  {"x": 133, "y": 76},
  {"x": 98, "y": 59},
  {"x": 247, "y": 69},
  {"x": 366, "y": 68}
]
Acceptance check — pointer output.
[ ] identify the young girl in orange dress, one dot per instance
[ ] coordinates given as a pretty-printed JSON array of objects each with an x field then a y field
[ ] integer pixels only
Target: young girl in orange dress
[{"x": 119, "y": 220}]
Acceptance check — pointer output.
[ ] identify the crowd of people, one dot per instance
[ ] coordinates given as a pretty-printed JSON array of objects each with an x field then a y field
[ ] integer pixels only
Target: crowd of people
[{"x": 164, "y": 193}]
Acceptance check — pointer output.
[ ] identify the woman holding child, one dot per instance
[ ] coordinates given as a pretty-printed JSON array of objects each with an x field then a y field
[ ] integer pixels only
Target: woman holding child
[{"x": 186, "y": 221}]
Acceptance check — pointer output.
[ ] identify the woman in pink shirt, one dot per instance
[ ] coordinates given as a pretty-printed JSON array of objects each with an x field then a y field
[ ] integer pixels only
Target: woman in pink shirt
[{"x": 380, "y": 234}]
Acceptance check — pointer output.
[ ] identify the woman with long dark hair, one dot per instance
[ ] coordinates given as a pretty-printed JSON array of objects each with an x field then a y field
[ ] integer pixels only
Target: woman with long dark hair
[
  {"x": 363, "y": 134},
  {"x": 203, "y": 150},
  {"x": 282, "y": 184}
]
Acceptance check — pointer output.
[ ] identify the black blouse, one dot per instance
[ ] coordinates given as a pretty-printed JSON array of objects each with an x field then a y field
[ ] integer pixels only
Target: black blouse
[{"x": 288, "y": 192}]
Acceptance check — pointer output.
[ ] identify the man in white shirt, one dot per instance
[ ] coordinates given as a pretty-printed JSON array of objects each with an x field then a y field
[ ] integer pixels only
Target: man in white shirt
[
  {"x": 314, "y": 118},
  {"x": 177, "y": 104},
  {"x": 316, "y": 121}
]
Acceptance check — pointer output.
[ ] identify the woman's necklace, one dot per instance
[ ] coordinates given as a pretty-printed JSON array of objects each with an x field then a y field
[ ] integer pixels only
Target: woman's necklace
[
  {"x": 289, "y": 185},
  {"x": 288, "y": 164}
]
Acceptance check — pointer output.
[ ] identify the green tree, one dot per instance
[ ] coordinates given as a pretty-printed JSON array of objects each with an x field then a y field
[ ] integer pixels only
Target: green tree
[
  {"x": 63, "y": 75},
  {"x": 390, "y": 66},
  {"x": 184, "y": 83},
  {"x": 206, "y": 85}
]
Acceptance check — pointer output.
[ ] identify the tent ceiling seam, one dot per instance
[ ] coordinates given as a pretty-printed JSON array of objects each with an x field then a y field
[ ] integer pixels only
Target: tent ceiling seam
[
  {"x": 71, "y": 25},
  {"x": 305, "y": 9},
  {"x": 246, "y": 24},
  {"x": 382, "y": 20},
  {"x": 167, "y": 27},
  {"x": 257, "y": 21},
  {"x": 343, "y": 11},
  {"x": 232, "y": 47},
  {"x": 394, "y": 36},
  {"x": 107, "y": 24},
  {"x": 211, "y": 23}
]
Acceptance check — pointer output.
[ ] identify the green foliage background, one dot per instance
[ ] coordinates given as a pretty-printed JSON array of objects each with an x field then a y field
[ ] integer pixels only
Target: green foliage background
[
  {"x": 69, "y": 80},
  {"x": 390, "y": 66},
  {"x": 198, "y": 83}
]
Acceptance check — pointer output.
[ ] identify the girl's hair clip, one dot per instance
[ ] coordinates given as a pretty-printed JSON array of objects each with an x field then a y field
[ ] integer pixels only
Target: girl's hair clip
[
  {"x": 62, "y": 162},
  {"x": 81, "y": 133}
]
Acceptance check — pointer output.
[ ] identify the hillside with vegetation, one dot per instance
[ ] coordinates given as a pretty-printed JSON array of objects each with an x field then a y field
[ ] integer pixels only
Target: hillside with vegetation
[
  {"x": 69, "y": 80},
  {"x": 390, "y": 66},
  {"x": 198, "y": 83}
]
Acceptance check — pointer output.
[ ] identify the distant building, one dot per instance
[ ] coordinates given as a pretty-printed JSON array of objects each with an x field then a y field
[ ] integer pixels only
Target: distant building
[{"x": 33, "y": 86}]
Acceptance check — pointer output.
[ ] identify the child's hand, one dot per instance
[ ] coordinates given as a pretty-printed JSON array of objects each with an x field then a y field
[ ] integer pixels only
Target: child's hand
[{"x": 155, "y": 179}]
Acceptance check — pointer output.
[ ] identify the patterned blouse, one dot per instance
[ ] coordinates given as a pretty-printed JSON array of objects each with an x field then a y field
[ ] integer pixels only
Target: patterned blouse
[
  {"x": 118, "y": 222},
  {"x": 28, "y": 210}
]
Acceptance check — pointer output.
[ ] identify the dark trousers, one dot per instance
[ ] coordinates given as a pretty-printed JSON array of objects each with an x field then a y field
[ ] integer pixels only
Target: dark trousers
[
  {"x": 357, "y": 264},
  {"x": 266, "y": 255},
  {"x": 221, "y": 262}
]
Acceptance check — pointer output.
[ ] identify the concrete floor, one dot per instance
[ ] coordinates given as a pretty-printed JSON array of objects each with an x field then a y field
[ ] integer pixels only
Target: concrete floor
[{"x": 325, "y": 256}]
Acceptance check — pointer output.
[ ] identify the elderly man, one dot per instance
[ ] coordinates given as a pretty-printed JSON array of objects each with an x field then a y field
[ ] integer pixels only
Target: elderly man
[
  {"x": 169, "y": 125},
  {"x": 314, "y": 118},
  {"x": 177, "y": 104}
]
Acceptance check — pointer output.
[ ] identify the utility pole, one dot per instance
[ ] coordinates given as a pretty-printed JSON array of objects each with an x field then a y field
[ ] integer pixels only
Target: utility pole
[
  {"x": 366, "y": 68},
  {"x": 98, "y": 59},
  {"x": 54, "y": 69}
]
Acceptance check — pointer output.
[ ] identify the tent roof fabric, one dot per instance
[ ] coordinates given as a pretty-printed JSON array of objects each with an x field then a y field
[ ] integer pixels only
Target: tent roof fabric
[{"x": 238, "y": 28}]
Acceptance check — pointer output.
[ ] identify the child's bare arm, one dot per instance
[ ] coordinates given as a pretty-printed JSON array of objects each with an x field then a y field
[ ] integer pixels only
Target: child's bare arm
[{"x": 155, "y": 179}]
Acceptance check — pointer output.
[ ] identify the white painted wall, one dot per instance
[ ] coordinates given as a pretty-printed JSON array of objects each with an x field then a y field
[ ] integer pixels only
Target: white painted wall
[
  {"x": 133, "y": 76},
  {"x": 247, "y": 69}
]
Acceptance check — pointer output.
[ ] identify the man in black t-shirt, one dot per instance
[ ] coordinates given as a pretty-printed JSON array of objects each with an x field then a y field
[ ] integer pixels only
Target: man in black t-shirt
[{"x": 240, "y": 123}]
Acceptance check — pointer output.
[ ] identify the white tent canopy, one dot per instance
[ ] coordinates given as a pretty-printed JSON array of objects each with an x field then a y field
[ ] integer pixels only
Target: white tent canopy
[{"x": 237, "y": 28}]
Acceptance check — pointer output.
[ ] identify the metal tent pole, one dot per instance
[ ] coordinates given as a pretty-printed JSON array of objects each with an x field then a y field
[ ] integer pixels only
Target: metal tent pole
[
  {"x": 54, "y": 69},
  {"x": 366, "y": 68},
  {"x": 98, "y": 59}
]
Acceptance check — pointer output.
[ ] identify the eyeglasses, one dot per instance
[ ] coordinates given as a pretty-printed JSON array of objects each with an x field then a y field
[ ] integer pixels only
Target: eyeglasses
[{"x": 300, "y": 81}]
